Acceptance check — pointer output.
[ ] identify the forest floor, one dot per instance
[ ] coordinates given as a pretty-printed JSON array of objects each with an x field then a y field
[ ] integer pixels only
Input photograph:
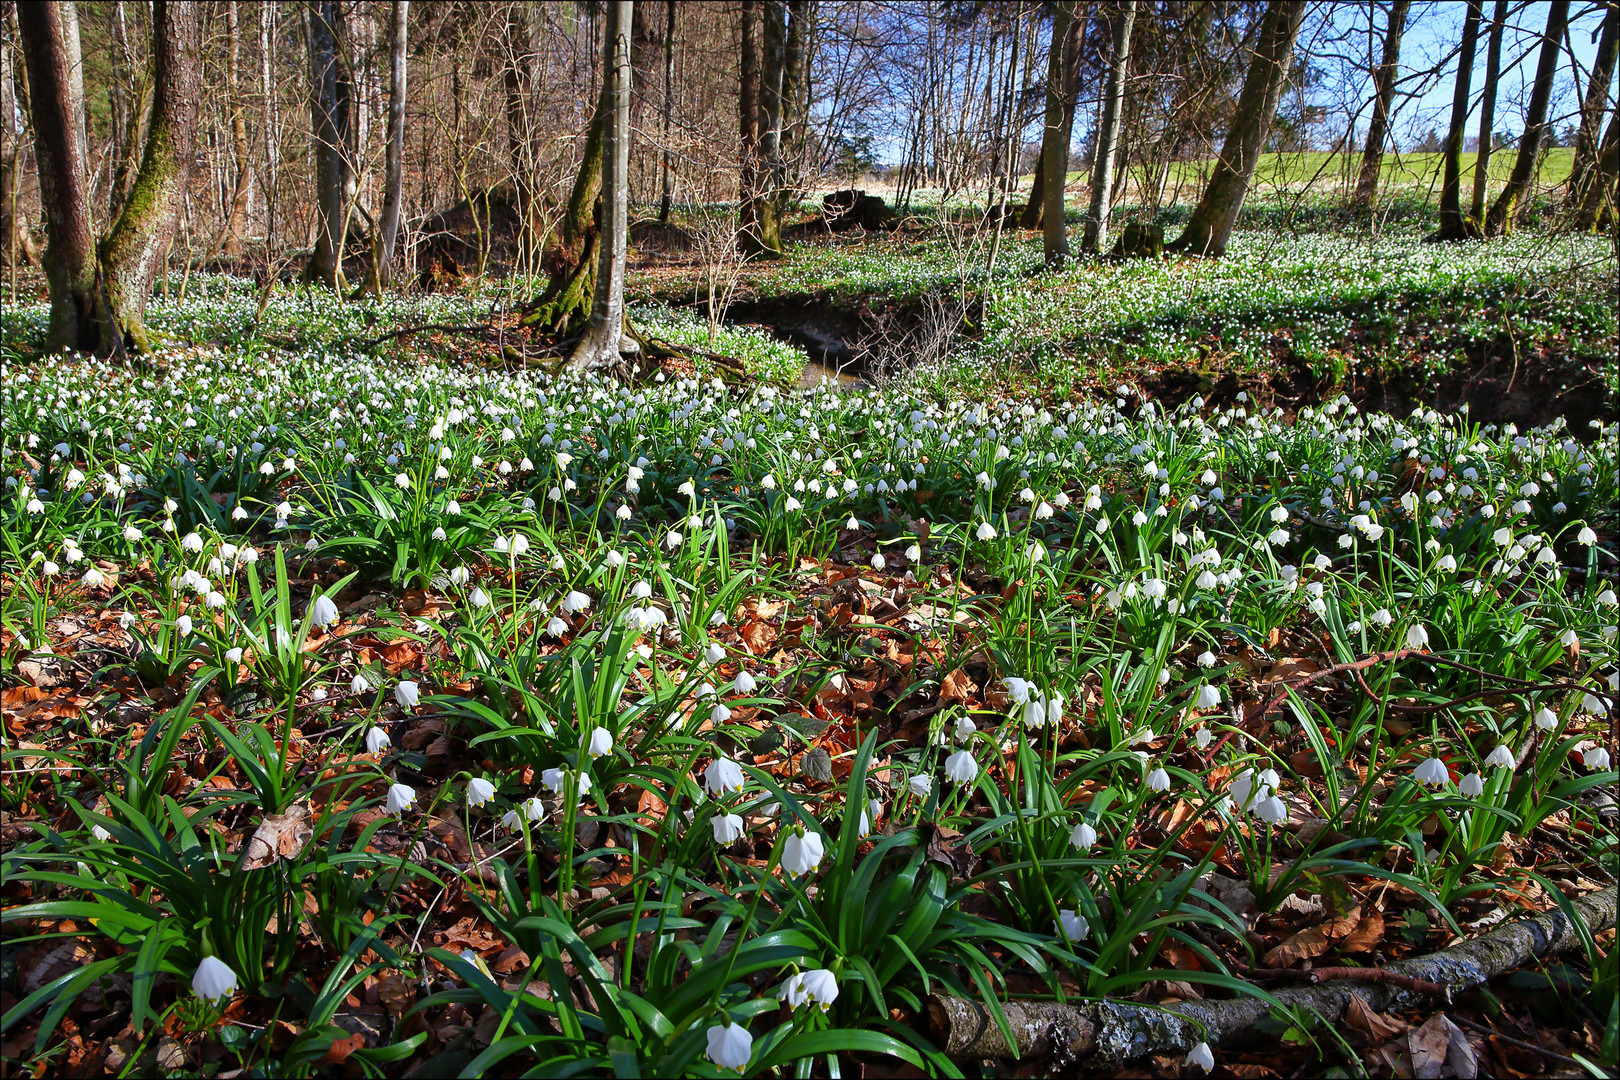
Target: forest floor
[{"x": 1152, "y": 635}]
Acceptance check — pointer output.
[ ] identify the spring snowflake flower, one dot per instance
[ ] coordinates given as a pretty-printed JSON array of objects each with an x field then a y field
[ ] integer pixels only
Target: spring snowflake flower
[
  {"x": 961, "y": 767},
  {"x": 920, "y": 785},
  {"x": 407, "y": 694},
  {"x": 555, "y": 627},
  {"x": 730, "y": 1046},
  {"x": 1417, "y": 637},
  {"x": 1596, "y": 758},
  {"x": 1083, "y": 836},
  {"x": 1432, "y": 772},
  {"x": 1209, "y": 697},
  {"x": 728, "y": 828},
  {"x": 214, "y": 981},
  {"x": 1271, "y": 810},
  {"x": 722, "y": 775},
  {"x": 1586, "y": 536},
  {"x": 1201, "y": 1056},
  {"x": 1018, "y": 690},
  {"x": 744, "y": 683},
  {"x": 1502, "y": 757},
  {"x": 802, "y": 854},
  {"x": 820, "y": 986},
  {"x": 1072, "y": 925},
  {"x": 401, "y": 797},
  {"x": 530, "y": 810},
  {"x": 601, "y": 743},
  {"x": 479, "y": 791},
  {"x": 1471, "y": 786},
  {"x": 714, "y": 652},
  {"x": 1206, "y": 659},
  {"x": 986, "y": 531},
  {"x": 1158, "y": 780}
]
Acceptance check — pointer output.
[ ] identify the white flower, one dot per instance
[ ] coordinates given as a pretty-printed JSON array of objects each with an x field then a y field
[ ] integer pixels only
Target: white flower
[
  {"x": 377, "y": 740},
  {"x": 714, "y": 652},
  {"x": 1271, "y": 810},
  {"x": 1206, "y": 659},
  {"x": 1158, "y": 780},
  {"x": 1203, "y": 737},
  {"x": 720, "y": 713},
  {"x": 479, "y": 791},
  {"x": 722, "y": 775},
  {"x": 1018, "y": 690},
  {"x": 1417, "y": 637},
  {"x": 576, "y": 602},
  {"x": 801, "y": 854},
  {"x": 728, "y": 828},
  {"x": 322, "y": 611},
  {"x": 744, "y": 683},
  {"x": 601, "y": 743},
  {"x": 1546, "y": 719},
  {"x": 555, "y": 627},
  {"x": 730, "y": 1046},
  {"x": 820, "y": 986},
  {"x": 1472, "y": 785},
  {"x": 920, "y": 785},
  {"x": 792, "y": 993},
  {"x": 214, "y": 980},
  {"x": 1431, "y": 771},
  {"x": 183, "y": 624},
  {"x": 1502, "y": 757},
  {"x": 1083, "y": 836},
  {"x": 1596, "y": 758},
  {"x": 914, "y": 553},
  {"x": 961, "y": 767},
  {"x": 878, "y": 561},
  {"x": 403, "y": 480},
  {"x": 400, "y": 798},
  {"x": 479, "y": 597},
  {"x": 1202, "y": 1057},
  {"x": 1208, "y": 697},
  {"x": 986, "y": 531},
  {"x": 1072, "y": 925},
  {"x": 530, "y": 809},
  {"x": 1586, "y": 536},
  {"x": 407, "y": 693},
  {"x": 1381, "y": 617}
]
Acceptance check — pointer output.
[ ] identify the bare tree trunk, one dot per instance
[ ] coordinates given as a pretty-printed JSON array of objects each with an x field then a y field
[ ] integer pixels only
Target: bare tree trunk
[
  {"x": 604, "y": 339},
  {"x": 1052, "y": 166},
  {"x": 394, "y": 163},
  {"x": 136, "y": 244},
  {"x": 332, "y": 106},
  {"x": 1372, "y": 158},
  {"x": 1453, "y": 226},
  {"x": 1500, "y": 220},
  {"x": 242, "y": 196},
  {"x": 1487, "y": 115},
  {"x": 272, "y": 116},
  {"x": 1210, "y": 228},
  {"x": 667, "y": 165},
  {"x": 51, "y": 54},
  {"x": 1588, "y": 148},
  {"x": 1108, "y": 126},
  {"x": 17, "y": 241}
]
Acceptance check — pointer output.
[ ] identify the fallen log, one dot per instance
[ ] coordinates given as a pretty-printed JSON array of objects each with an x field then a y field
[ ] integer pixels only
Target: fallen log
[{"x": 1111, "y": 1031}]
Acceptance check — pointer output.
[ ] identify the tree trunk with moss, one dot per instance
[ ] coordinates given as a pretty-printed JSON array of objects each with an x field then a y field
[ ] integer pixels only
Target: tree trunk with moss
[
  {"x": 1597, "y": 208},
  {"x": 135, "y": 247},
  {"x": 748, "y": 95},
  {"x": 1500, "y": 220},
  {"x": 571, "y": 260},
  {"x": 1372, "y": 157},
  {"x": 604, "y": 339},
  {"x": 50, "y": 46},
  {"x": 1210, "y": 228},
  {"x": 17, "y": 241},
  {"x": 1453, "y": 225}
]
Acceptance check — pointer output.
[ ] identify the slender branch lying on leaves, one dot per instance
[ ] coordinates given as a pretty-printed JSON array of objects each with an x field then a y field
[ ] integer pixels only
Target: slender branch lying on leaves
[{"x": 1115, "y": 1031}]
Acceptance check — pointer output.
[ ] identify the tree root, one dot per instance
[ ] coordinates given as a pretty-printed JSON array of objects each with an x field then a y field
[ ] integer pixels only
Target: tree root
[{"x": 1110, "y": 1031}]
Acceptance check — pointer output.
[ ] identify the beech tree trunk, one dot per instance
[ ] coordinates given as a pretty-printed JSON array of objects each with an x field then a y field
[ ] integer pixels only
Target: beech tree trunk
[
  {"x": 1210, "y": 228},
  {"x": 748, "y": 95},
  {"x": 1453, "y": 226},
  {"x": 50, "y": 44},
  {"x": 1597, "y": 207},
  {"x": 1487, "y": 115},
  {"x": 394, "y": 160},
  {"x": 1500, "y": 220},
  {"x": 780, "y": 55},
  {"x": 1052, "y": 167},
  {"x": 571, "y": 260},
  {"x": 604, "y": 338},
  {"x": 17, "y": 241},
  {"x": 1108, "y": 129},
  {"x": 242, "y": 195},
  {"x": 332, "y": 109},
  {"x": 1588, "y": 146},
  {"x": 137, "y": 244},
  {"x": 1372, "y": 158}
]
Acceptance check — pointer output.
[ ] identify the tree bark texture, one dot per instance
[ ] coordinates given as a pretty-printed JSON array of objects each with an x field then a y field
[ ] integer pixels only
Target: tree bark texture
[
  {"x": 604, "y": 338},
  {"x": 1105, "y": 1033},
  {"x": 17, "y": 241},
  {"x": 1500, "y": 220},
  {"x": 1487, "y": 114},
  {"x": 1372, "y": 157},
  {"x": 1453, "y": 226},
  {"x": 394, "y": 156},
  {"x": 748, "y": 96},
  {"x": 332, "y": 108},
  {"x": 1588, "y": 146},
  {"x": 51, "y": 54},
  {"x": 1597, "y": 207},
  {"x": 1052, "y": 166},
  {"x": 667, "y": 164},
  {"x": 242, "y": 193},
  {"x": 1108, "y": 132},
  {"x": 136, "y": 245},
  {"x": 1210, "y": 228}
]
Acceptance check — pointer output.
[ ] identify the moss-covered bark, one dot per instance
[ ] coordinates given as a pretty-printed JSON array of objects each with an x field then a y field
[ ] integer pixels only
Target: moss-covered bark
[
  {"x": 135, "y": 247},
  {"x": 571, "y": 259}
]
